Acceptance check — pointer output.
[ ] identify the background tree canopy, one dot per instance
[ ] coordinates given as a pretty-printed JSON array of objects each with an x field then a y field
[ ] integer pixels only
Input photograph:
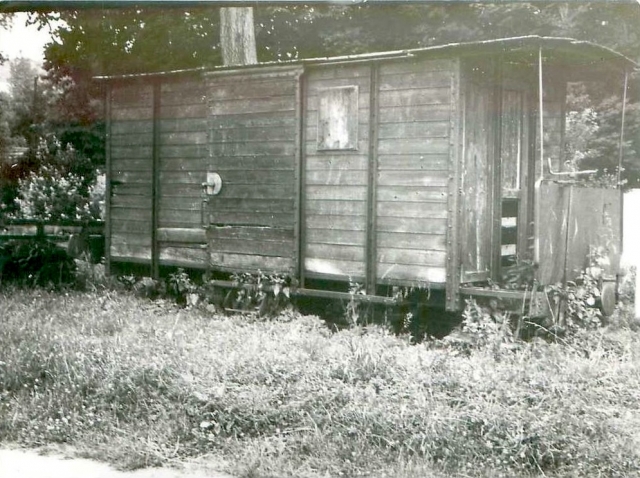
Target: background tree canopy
[{"x": 94, "y": 42}]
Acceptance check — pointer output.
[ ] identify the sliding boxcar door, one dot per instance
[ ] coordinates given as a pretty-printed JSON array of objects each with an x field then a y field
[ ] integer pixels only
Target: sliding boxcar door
[{"x": 253, "y": 128}]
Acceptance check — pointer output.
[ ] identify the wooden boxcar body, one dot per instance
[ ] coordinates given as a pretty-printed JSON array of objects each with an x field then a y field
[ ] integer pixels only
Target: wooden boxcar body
[{"x": 418, "y": 168}]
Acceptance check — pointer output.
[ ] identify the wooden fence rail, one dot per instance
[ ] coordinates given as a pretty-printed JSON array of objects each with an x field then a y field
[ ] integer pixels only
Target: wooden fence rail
[{"x": 79, "y": 238}]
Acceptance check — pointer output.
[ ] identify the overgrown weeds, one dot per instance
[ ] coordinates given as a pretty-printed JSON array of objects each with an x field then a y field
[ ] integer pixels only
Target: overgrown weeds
[{"x": 143, "y": 383}]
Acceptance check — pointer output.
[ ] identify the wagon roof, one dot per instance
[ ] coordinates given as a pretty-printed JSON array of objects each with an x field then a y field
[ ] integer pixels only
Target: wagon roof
[{"x": 580, "y": 51}]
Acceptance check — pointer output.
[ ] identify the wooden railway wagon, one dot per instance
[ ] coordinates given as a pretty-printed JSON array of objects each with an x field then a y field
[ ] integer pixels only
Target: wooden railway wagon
[{"x": 418, "y": 168}]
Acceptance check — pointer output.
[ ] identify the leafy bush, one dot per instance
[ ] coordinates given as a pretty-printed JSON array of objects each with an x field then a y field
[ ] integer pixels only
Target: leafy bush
[
  {"x": 61, "y": 188},
  {"x": 36, "y": 262}
]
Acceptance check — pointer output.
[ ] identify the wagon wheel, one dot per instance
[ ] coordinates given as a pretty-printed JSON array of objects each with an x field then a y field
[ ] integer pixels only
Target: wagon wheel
[{"x": 608, "y": 298}]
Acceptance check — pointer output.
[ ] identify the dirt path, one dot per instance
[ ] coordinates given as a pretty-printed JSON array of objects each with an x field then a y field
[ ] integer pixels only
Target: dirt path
[{"x": 20, "y": 463}]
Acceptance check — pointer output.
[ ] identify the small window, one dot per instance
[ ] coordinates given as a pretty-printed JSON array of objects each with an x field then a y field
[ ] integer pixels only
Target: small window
[{"x": 338, "y": 118}]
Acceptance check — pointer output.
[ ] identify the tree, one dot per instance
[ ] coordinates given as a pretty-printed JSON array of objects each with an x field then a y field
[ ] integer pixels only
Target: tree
[
  {"x": 237, "y": 37},
  {"x": 5, "y": 22},
  {"x": 27, "y": 100}
]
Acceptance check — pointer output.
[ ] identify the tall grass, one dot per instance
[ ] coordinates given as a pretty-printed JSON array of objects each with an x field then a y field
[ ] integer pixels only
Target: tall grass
[{"x": 144, "y": 383}]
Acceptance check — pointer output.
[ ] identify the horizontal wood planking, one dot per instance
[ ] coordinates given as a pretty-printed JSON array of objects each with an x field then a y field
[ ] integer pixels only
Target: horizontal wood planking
[
  {"x": 130, "y": 177},
  {"x": 348, "y": 193},
  {"x": 133, "y": 139},
  {"x": 263, "y": 89},
  {"x": 183, "y": 256},
  {"x": 336, "y": 236},
  {"x": 184, "y": 151},
  {"x": 131, "y": 226},
  {"x": 184, "y": 111},
  {"x": 326, "y": 162},
  {"x": 433, "y": 242},
  {"x": 243, "y": 191},
  {"x": 182, "y": 235},
  {"x": 409, "y": 114},
  {"x": 132, "y": 113},
  {"x": 268, "y": 119},
  {"x": 336, "y": 208},
  {"x": 131, "y": 152},
  {"x": 253, "y": 134},
  {"x": 183, "y": 125},
  {"x": 244, "y": 233},
  {"x": 414, "y": 162},
  {"x": 274, "y": 245},
  {"x": 241, "y": 218},
  {"x": 330, "y": 72},
  {"x": 183, "y": 138},
  {"x": 252, "y": 106},
  {"x": 413, "y": 146},
  {"x": 133, "y": 94},
  {"x": 231, "y": 177},
  {"x": 227, "y": 163},
  {"x": 127, "y": 252},
  {"x": 132, "y": 127},
  {"x": 415, "y": 66},
  {"x": 183, "y": 92},
  {"x": 338, "y": 269},
  {"x": 256, "y": 148},
  {"x": 411, "y": 225},
  {"x": 336, "y": 176},
  {"x": 409, "y": 273},
  {"x": 130, "y": 213},
  {"x": 252, "y": 145},
  {"x": 418, "y": 210},
  {"x": 342, "y": 222},
  {"x": 335, "y": 252},
  {"x": 131, "y": 239},
  {"x": 416, "y": 80},
  {"x": 125, "y": 189},
  {"x": 131, "y": 164},
  {"x": 131, "y": 201},
  {"x": 250, "y": 263},
  {"x": 257, "y": 205},
  {"x": 415, "y": 97},
  {"x": 411, "y": 257},
  {"x": 412, "y": 194},
  {"x": 422, "y": 130},
  {"x": 424, "y": 178}
]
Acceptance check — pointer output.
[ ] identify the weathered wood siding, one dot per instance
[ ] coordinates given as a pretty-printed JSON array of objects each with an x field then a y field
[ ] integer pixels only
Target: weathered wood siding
[
  {"x": 413, "y": 170},
  {"x": 130, "y": 139},
  {"x": 577, "y": 220},
  {"x": 183, "y": 163},
  {"x": 478, "y": 160},
  {"x": 335, "y": 189},
  {"x": 253, "y": 127},
  {"x": 554, "y": 98}
]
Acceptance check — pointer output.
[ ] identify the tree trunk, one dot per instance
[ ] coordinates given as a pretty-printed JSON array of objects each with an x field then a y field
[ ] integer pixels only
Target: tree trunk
[{"x": 237, "y": 37}]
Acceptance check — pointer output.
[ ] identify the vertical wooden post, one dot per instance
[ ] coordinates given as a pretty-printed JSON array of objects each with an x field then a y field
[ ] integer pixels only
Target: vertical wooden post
[
  {"x": 155, "y": 179},
  {"x": 496, "y": 183},
  {"x": 298, "y": 181},
  {"x": 372, "y": 255},
  {"x": 108, "y": 176},
  {"x": 456, "y": 119}
]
